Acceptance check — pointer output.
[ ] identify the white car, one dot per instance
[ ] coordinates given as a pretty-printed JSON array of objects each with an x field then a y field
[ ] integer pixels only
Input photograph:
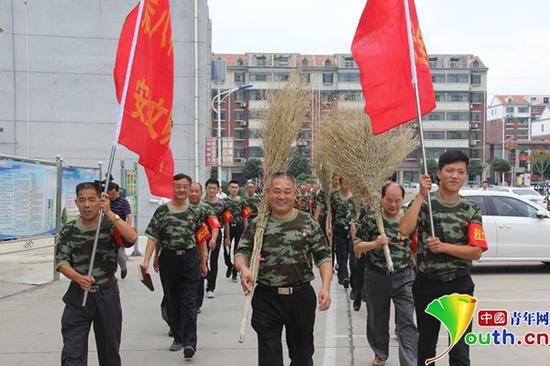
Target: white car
[
  {"x": 527, "y": 193},
  {"x": 516, "y": 228}
]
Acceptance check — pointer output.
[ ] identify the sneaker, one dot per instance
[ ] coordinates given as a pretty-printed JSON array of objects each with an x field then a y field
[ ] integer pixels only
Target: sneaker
[
  {"x": 228, "y": 272},
  {"x": 345, "y": 282},
  {"x": 188, "y": 352},
  {"x": 123, "y": 273},
  {"x": 378, "y": 361},
  {"x": 210, "y": 294},
  {"x": 176, "y": 346}
]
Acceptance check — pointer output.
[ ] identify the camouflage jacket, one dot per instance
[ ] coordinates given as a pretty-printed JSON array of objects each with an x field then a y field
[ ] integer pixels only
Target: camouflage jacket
[
  {"x": 252, "y": 203},
  {"x": 219, "y": 208},
  {"x": 400, "y": 246},
  {"x": 74, "y": 247},
  {"x": 304, "y": 200},
  {"x": 236, "y": 207},
  {"x": 204, "y": 210},
  {"x": 343, "y": 210},
  {"x": 288, "y": 249},
  {"x": 174, "y": 230},
  {"x": 451, "y": 226}
]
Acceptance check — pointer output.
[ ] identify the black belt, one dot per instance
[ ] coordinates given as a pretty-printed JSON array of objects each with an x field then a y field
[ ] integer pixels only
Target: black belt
[
  {"x": 291, "y": 290},
  {"x": 180, "y": 251},
  {"x": 96, "y": 288},
  {"x": 447, "y": 277},
  {"x": 385, "y": 272}
]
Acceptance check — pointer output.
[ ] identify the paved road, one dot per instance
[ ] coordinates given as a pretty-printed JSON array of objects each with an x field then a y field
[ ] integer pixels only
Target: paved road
[{"x": 30, "y": 322}]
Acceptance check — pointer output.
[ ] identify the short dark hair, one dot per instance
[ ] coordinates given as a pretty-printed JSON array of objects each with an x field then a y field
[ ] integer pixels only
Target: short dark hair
[
  {"x": 453, "y": 156},
  {"x": 233, "y": 181},
  {"x": 390, "y": 183},
  {"x": 486, "y": 181},
  {"x": 180, "y": 176},
  {"x": 277, "y": 175},
  {"x": 212, "y": 181},
  {"x": 113, "y": 185},
  {"x": 88, "y": 185}
]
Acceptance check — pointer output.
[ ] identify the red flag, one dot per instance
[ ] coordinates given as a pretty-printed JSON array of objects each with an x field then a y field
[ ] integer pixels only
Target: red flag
[
  {"x": 381, "y": 50},
  {"x": 147, "y": 121}
]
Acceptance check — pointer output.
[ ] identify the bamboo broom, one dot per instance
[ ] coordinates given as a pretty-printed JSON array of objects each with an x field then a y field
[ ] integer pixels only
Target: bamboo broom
[
  {"x": 364, "y": 159},
  {"x": 286, "y": 109}
]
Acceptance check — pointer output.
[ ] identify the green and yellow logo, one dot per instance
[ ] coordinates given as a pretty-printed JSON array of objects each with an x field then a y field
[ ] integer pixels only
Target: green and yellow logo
[{"x": 455, "y": 312}]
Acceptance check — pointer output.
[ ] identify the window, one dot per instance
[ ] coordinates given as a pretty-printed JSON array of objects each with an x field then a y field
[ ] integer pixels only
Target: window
[
  {"x": 326, "y": 96},
  {"x": 281, "y": 60},
  {"x": 215, "y": 132},
  {"x": 454, "y": 62},
  {"x": 348, "y": 62},
  {"x": 239, "y": 116},
  {"x": 457, "y": 135},
  {"x": 215, "y": 115},
  {"x": 305, "y": 134},
  {"x": 481, "y": 203},
  {"x": 434, "y": 153},
  {"x": 256, "y": 114},
  {"x": 305, "y": 63},
  {"x": 306, "y": 77},
  {"x": 255, "y": 152},
  {"x": 350, "y": 95},
  {"x": 281, "y": 76},
  {"x": 328, "y": 78},
  {"x": 476, "y": 79},
  {"x": 475, "y": 65},
  {"x": 475, "y": 153},
  {"x": 439, "y": 96},
  {"x": 476, "y": 97},
  {"x": 256, "y": 95},
  {"x": 239, "y": 62},
  {"x": 239, "y": 96},
  {"x": 476, "y": 116},
  {"x": 542, "y": 128},
  {"x": 545, "y": 100},
  {"x": 508, "y": 206},
  {"x": 509, "y": 109},
  {"x": 458, "y": 78},
  {"x": 261, "y": 61},
  {"x": 436, "y": 116},
  {"x": 328, "y": 63},
  {"x": 475, "y": 135},
  {"x": 438, "y": 78},
  {"x": 434, "y": 135},
  {"x": 239, "y": 77},
  {"x": 523, "y": 109},
  {"x": 238, "y": 133},
  {"x": 523, "y": 121},
  {"x": 348, "y": 77},
  {"x": 254, "y": 134},
  {"x": 260, "y": 76},
  {"x": 239, "y": 152},
  {"x": 412, "y": 155},
  {"x": 457, "y": 116},
  {"x": 433, "y": 62},
  {"x": 457, "y": 97}
]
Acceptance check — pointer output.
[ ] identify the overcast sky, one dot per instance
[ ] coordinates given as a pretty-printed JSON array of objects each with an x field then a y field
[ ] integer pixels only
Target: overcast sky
[{"x": 512, "y": 37}]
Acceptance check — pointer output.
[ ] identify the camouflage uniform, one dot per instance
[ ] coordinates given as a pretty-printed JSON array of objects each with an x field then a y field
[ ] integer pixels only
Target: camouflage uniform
[
  {"x": 343, "y": 213},
  {"x": 74, "y": 247},
  {"x": 219, "y": 208},
  {"x": 252, "y": 203},
  {"x": 383, "y": 287},
  {"x": 305, "y": 201},
  {"x": 442, "y": 274},
  {"x": 179, "y": 264},
  {"x": 284, "y": 296},
  {"x": 236, "y": 227}
]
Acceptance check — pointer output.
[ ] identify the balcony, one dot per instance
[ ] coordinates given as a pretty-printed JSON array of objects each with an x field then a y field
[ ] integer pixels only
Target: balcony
[{"x": 453, "y": 106}]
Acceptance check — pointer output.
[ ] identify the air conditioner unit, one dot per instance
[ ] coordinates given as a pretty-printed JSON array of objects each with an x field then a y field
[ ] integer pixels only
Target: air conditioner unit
[
  {"x": 473, "y": 142},
  {"x": 475, "y": 125},
  {"x": 242, "y": 104},
  {"x": 239, "y": 160},
  {"x": 302, "y": 143},
  {"x": 242, "y": 123}
]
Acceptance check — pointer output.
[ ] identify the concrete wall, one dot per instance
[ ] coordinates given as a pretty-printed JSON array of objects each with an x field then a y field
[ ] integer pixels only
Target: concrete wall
[{"x": 57, "y": 93}]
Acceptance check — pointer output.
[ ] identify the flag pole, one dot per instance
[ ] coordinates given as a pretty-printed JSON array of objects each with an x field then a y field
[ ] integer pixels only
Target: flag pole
[
  {"x": 115, "y": 139},
  {"x": 418, "y": 109}
]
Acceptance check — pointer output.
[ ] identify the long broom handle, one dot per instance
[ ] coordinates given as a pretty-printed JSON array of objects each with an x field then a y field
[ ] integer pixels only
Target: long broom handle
[{"x": 385, "y": 248}]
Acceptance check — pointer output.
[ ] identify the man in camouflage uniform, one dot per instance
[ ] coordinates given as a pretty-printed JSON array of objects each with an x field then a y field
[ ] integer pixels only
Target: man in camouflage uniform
[
  {"x": 304, "y": 201},
  {"x": 212, "y": 188},
  {"x": 321, "y": 210},
  {"x": 209, "y": 220},
  {"x": 172, "y": 229},
  {"x": 343, "y": 214},
  {"x": 283, "y": 296},
  {"x": 444, "y": 260},
  {"x": 383, "y": 286},
  {"x": 74, "y": 248},
  {"x": 237, "y": 207},
  {"x": 252, "y": 200}
]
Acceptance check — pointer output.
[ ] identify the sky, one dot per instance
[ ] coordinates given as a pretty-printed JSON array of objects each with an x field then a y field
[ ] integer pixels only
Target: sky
[{"x": 511, "y": 37}]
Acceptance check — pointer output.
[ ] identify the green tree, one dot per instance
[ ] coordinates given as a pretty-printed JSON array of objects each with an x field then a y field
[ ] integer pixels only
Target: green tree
[
  {"x": 299, "y": 165},
  {"x": 432, "y": 167},
  {"x": 501, "y": 165},
  {"x": 541, "y": 164},
  {"x": 475, "y": 169},
  {"x": 214, "y": 173},
  {"x": 252, "y": 169},
  {"x": 304, "y": 178}
]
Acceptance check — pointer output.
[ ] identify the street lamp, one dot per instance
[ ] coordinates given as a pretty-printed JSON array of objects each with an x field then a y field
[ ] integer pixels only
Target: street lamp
[
  {"x": 503, "y": 138},
  {"x": 219, "y": 98}
]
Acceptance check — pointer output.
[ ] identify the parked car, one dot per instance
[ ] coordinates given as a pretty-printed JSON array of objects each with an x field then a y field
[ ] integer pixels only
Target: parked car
[
  {"x": 527, "y": 193},
  {"x": 516, "y": 228}
]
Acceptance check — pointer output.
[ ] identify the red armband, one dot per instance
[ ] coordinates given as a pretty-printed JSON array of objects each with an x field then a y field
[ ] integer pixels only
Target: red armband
[
  {"x": 227, "y": 216},
  {"x": 213, "y": 222},
  {"x": 310, "y": 202},
  {"x": 246, "y": 212},
  {"x": 299, "y": 204},
  {"x": 414, "y": 242},
  {"x": 202, "y": 235},
  {"x": 119, "y": 242},
  {"x": 476, "y": 236}
]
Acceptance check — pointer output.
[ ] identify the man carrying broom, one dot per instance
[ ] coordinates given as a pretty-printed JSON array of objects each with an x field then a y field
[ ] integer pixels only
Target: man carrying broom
[{"x": 283, "y": 294}]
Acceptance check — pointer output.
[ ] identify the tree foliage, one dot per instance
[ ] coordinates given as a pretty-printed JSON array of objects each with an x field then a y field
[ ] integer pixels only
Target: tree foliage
[
  {"x": 299, "y": 165},
  {"x": 432, "y": 167},
  {"x": 541, "y": 164},
  {"x": 252, "y": 169},
  {"x": 501, "y": 165},
  {"x": 475, "y": 169}
]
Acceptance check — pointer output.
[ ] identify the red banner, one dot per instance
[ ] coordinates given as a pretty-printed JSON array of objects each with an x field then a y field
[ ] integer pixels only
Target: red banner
[
  {"x": 381, "y": 50},
  {"x": 161, "y": 177},
  {"x": 147, "y": 121}
]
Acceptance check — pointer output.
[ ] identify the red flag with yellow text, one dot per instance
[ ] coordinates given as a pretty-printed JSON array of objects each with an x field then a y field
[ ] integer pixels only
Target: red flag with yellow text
[
  {"x": 147, "y": 122},
  {"x": 381, "y": 50}
]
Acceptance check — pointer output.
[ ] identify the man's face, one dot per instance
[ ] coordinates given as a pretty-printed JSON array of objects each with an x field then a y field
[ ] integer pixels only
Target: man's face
[
  {"x": 335, "y": 181},
  {"x": 393, "y": 200},
  {"x": 181, "y": 189},
  {"x": 233, "y": 189},
  {"x": 195, "y": 193},
  {"x": 303, "y": 189},
  {"x": 281, "y": 195},
  {"x": 113, "y": 194},
  {"x": 485, "y": 185},
  {"x": 87, "y": 202},
  {"x": 315, "y": 188},
  {"x": 250, "y": 189},
  {"x": 211, "y": 190},
  {"x": 452, "y": 176},
  {"x": 344, "y": 186}
]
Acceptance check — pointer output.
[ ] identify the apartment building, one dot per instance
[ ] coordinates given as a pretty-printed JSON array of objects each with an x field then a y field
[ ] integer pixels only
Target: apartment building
[{"x": 460, "y": 83}]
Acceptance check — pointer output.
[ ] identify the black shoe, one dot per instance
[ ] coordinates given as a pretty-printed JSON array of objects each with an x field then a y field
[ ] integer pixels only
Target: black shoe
[
  {"x": 228, "y": 272},
  {"x": 234, "y": 277},
  {"x": 345, "y": 282},
  {"x": 352, "y": 295},
  {"x": 356, "y": 305},
  {"x": 188, "y": 352},
  {"x": 176, "y": 346},
  {"x": 123, "y": 273}
]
